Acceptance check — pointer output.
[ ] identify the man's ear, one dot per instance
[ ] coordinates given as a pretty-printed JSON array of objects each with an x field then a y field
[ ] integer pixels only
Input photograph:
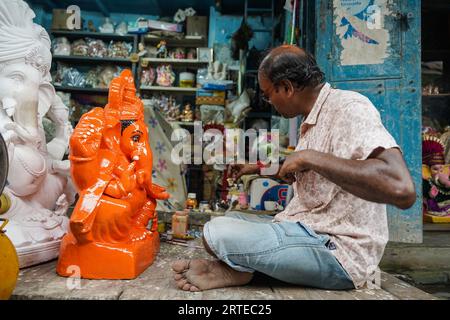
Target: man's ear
[{"x": 288, "y": 88}]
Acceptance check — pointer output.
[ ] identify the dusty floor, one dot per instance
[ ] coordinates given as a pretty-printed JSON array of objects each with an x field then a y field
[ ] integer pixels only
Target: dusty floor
[{"x": 41, "y": 282}]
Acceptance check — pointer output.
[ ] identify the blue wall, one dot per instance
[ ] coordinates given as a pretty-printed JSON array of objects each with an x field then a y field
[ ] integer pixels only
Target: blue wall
[
  {"x": 45, "y": 18},
  {"x": 222, "y": 27}
]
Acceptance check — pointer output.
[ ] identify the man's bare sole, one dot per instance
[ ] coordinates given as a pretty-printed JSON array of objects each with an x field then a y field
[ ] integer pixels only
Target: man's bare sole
[{"x": 203, "y": 274}]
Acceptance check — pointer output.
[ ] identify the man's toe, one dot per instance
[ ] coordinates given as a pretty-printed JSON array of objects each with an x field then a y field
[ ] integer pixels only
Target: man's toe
[
  {"x": 178, "y": 276},
  {"x": 194, "y": 289},
  {"x": 181, "y": 283},
  {"x": 187, "y": 286},
  {"x": 180, "y": 265}
]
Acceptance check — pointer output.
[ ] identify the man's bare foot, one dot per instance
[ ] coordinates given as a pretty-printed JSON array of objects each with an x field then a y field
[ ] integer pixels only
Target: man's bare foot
[{"x": 203, "y": 274}]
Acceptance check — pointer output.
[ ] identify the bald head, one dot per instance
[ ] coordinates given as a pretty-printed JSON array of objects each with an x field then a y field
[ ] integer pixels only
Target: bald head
[{"x": 291, "y": 63}]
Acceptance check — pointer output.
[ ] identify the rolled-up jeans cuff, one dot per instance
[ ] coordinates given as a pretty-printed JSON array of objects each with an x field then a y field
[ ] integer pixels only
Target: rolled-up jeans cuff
[{"x": 222, "y": 257}]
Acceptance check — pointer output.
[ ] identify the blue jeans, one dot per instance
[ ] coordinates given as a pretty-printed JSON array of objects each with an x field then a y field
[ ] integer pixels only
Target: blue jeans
[{"x": 287, "y": 251}]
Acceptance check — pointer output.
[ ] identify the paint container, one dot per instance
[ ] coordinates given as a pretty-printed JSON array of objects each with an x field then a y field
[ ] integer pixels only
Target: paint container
[
  {"x": 191, "y": 202},
  {"x": 161, "y": 227},
  {"x": 180, "y": 224}
]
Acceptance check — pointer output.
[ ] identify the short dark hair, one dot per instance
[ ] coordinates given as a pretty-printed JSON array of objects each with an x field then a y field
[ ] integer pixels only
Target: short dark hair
[{"x": 291, "y": 63}]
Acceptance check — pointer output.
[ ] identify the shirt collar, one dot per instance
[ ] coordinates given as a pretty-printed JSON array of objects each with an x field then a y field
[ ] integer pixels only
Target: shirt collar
[
  {"x": 315, "y": 111},
  {"x": 314, "y": 114}
]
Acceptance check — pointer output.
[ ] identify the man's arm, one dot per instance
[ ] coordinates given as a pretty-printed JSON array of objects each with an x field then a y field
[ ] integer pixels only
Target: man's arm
[
  {"x": 238, "y": 170},
  {"x": 382, "y": 178}
]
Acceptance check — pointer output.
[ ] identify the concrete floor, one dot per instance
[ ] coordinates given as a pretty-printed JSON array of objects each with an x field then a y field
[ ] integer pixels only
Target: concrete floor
[
  {"x": 156, "y": 283},
  {"x": 425, "y": 265}
]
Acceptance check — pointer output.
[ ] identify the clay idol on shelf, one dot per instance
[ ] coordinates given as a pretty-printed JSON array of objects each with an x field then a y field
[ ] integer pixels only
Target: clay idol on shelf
[
  {"x": 436, "y": 179},
  {"x": 162, "y": 49},
  {"x": 188, "y": 114},
  {"x": 39, "y": 186},
  {"x": 111, "y": 164},
  {"x": 165, "y": 75}
]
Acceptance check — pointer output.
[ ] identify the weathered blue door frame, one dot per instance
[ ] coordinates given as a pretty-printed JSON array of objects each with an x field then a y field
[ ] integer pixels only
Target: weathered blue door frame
[{"x": 393, "y": 85}]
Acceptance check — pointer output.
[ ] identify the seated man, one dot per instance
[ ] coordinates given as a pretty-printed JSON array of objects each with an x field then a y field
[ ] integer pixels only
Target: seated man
[{"x": 346, "y": 168}]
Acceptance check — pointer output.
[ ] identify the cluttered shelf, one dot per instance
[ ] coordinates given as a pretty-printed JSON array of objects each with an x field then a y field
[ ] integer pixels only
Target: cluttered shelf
[
  {"x": 177, "y": 61},
  {"x": 85, "y": 62},
  {"x": 438, "y": 95},
  {"x": 87, "y": 34},
  {"x": 161, "y": 88},
  {"x": 177, "y": 42},
  {"x": 81, "y": 89},
  {"x": 87, "y": 59}
]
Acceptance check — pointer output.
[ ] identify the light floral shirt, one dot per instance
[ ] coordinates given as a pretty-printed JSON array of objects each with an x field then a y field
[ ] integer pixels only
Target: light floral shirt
[{"x": 347, "y": 125}]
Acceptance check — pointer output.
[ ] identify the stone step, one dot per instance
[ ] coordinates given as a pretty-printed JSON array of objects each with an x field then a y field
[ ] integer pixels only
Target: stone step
[{"x": 424, "y": 263}]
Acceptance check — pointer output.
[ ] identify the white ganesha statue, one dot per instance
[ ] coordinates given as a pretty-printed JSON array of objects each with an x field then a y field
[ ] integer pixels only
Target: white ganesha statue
[{"x": 39, "y": 186}]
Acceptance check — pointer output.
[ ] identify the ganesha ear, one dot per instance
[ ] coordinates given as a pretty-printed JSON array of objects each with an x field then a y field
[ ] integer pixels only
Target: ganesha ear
[
  {"x": 46, "y": 96},
  {"x": 426, "y": 172}
]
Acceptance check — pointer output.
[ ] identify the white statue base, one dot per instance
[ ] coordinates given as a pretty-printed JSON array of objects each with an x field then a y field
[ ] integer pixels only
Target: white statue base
[{"x": 36, "y": 234}]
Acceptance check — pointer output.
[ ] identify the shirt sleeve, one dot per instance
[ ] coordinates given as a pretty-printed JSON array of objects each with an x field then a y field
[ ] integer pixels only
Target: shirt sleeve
[{"x": 360, "y": 131}]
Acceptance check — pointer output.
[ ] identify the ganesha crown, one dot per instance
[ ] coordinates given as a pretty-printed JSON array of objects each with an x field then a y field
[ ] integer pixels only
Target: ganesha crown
[{"x": 36, "y": 60}]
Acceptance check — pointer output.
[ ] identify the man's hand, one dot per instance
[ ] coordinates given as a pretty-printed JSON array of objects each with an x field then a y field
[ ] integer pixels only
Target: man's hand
[
  {"x": 295, "y": 162},
  {"x": 238, "y": 170}
]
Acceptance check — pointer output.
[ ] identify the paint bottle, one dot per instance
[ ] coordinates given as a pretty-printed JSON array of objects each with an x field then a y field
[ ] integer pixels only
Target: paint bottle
[
  {"x": 191, "y": 202},
  {"x": 180, "y": 224},
  {"x": 243, "y": 203}
]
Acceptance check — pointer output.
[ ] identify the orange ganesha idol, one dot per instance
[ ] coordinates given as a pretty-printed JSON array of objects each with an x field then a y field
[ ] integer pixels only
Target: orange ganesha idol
[{"x": 111, "y": 165}]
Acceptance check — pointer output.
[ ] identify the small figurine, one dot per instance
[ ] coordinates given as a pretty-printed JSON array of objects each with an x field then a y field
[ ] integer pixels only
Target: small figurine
[
  {"x": 179, "y": 53},
  {"x": 107, "y": 26},
  {"x": 173, "y": 112},
  {"x": 188, "y": 114},
  {"x": 165, "y": 76},
  {"x": 191, "y": 54},
  {"x": 162, "y": 49},
  {"x": 91, "y": 26}
]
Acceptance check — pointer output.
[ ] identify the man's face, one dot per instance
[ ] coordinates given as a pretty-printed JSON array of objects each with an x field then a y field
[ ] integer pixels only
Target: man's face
[{"x": 282, "y": 98}]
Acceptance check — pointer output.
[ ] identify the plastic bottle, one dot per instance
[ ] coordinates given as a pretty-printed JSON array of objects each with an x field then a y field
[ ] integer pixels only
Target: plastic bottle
[
  {"x": 243, "y": 203},
  {"x": 191, "y": 202}
]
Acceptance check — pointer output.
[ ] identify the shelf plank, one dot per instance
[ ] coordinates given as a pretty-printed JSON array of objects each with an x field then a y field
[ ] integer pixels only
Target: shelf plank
[
  {"x": 178, "y": 42},
  {"x": 159, "y": 88},
  {"x": 97, "y": 35},
  {"x": 92, "y": 59},
  {"x": 82, "y": 90},
  {"x": 440, "y": 95},
  {"x": 180, "y": 61},
  {"x": 181, "y": 123}
]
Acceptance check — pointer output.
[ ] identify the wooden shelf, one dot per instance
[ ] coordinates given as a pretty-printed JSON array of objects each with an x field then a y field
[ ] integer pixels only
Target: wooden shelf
[
  {"x": 159, "y": 88},
  {"x": 436, "y": 96},
  {"x": 180, "y": 61},
  {"x": 95, "y": 35},
  {"x": 82, "y": 90},
  {"x": 178, "y": 42},
  {"x": 92, "y": 59},
  {"x": 182, "y": 123}
]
